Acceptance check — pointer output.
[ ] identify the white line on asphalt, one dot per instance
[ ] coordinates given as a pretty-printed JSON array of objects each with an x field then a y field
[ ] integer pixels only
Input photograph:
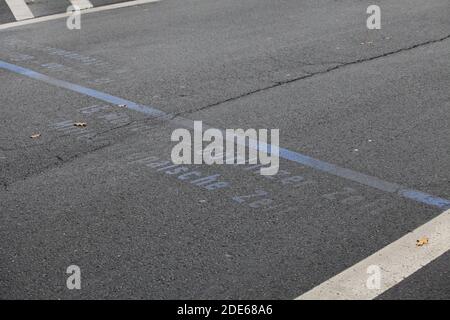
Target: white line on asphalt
[
  {"x": 82, "y": 4},
  {"x": 19, "y": 9},
  {"x": 65, "y": 15},
  {"x": 396, "y": 261}
]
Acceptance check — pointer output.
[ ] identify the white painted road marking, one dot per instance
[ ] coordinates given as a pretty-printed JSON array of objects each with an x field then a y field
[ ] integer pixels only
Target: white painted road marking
[
  {"x": 397, "y": 261},
  {"x": 65, "y": 14},
  {"x": 82, "y": 4},
  {"x": 19, "y": 9}
]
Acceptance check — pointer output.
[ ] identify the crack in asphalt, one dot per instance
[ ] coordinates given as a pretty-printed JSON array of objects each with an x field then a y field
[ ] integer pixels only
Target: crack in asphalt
[
  {"x": 62, "y": 161},
  {"x": 339, "y": 65},
  {"x": 142, "y": 121},
  {"x": 81, "y": 154},
  {"x": 52, "y": 140}
]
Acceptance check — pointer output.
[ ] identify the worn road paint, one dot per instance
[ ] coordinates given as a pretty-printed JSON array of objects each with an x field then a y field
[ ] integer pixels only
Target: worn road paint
[
  {"x": 117, "y": 117},
  {"x": 319, "y": 165}
]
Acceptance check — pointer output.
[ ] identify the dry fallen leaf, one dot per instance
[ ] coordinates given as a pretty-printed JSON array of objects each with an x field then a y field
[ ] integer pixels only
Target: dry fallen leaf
[
  {"x": 80, "y": 124},
  {"x": 422, "y": 241},
  {"x": 35, "y": 136}
]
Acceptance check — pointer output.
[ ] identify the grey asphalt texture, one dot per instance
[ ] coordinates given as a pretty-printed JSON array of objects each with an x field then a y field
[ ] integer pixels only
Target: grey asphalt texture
[{"x": 376, "y": 102}]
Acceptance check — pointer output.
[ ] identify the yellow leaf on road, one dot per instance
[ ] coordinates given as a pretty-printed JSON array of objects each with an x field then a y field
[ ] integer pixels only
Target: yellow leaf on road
[{"x": 422, "y": 241}]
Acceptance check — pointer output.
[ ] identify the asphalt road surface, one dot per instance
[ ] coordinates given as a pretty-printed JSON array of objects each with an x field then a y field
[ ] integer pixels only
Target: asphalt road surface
[{"x": 364, "y": 119}]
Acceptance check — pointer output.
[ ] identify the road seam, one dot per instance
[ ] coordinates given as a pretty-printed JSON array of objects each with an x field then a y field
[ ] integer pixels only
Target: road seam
[
  {"x": 337, "y": 67},
  {"x": 286, "y": 154}
]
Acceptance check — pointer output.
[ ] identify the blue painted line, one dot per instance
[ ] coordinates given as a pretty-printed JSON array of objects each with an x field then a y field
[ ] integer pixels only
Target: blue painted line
[
  {"x": 83, "y": 90},
  {"x": 365, "y": 179},
  {"x": 425, "y": 198},
  {"x": 316, "y": 164}
]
